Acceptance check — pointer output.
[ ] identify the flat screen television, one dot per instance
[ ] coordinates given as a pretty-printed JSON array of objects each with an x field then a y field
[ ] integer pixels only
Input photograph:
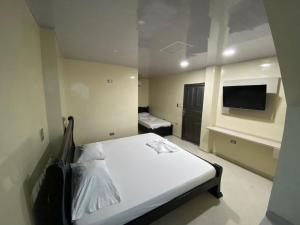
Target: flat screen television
[{"x": 245, "y": 97}]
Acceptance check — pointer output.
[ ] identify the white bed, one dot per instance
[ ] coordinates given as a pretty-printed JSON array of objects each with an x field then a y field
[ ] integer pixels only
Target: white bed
[
  {"x": 153, "y": 122},
  {"x": 145, "y": 179}
]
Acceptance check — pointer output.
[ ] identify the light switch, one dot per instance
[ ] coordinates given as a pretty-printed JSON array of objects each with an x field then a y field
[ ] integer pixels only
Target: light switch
[
  {"x": 233, "y": 142},
  {"x": 42, "y": 135}
]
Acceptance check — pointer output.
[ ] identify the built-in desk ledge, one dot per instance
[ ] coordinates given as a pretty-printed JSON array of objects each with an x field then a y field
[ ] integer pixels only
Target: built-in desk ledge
[{"x": 248, "y": 137}]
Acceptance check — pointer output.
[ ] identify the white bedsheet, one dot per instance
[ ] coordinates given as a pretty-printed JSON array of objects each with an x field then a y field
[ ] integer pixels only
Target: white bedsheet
[
  {"x": 162, "y": 146},
  {"x": 145, "y": 179},
  {"x": 153, "y": 122}
]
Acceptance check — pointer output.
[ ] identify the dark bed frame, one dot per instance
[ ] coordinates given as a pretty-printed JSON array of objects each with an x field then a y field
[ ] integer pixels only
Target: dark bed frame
[
  {"x": 53, "y": 204},
  {"x": 162, "y": 131}
]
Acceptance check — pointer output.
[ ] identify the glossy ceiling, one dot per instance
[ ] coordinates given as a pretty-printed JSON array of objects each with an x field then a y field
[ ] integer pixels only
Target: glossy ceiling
[
  {"x": 155, "y": 35},
  {"x": 203, "y": 29},
  {"x": 96, "y": 30}
]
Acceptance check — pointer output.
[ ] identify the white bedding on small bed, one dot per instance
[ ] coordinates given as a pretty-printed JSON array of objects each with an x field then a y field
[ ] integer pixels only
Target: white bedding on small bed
[
  {"x": 153, "y": 122},
  {"x": 145, "y": 179}
]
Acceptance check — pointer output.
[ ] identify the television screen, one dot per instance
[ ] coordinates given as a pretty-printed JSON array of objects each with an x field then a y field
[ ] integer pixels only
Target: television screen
[{"x": 245, "y": 97}]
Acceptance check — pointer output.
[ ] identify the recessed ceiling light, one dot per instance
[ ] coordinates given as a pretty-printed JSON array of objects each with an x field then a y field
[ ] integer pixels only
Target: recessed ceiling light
[
  {"x": 229, "y": 52},
  {"x": 184, "y": 64},
  {"x": 141, "y": 22},
  {"x": 132, "y": 77},
  {"x": 266, "y": 65}
]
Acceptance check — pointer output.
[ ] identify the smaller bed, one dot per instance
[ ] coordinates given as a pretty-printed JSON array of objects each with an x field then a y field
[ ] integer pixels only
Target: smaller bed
[{"x": 152, "y": 124}]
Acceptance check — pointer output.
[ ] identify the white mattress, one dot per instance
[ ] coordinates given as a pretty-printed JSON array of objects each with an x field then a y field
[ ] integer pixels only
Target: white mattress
[
  {"x": 145, "y": 179},
  {"x": 153, "y": 122}
]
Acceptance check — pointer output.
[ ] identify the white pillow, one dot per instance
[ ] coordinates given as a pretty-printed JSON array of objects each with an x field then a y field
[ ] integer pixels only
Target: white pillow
[
  {"x": 92, "y": 188},
  {"x": 88, "y": 152},
  {"x": 144, "y": 114}
]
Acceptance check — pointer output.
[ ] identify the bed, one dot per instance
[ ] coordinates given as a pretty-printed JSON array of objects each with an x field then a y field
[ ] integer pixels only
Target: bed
[
  {"x": 147, "y": 191},
  {"x": 152, "y": 124}
]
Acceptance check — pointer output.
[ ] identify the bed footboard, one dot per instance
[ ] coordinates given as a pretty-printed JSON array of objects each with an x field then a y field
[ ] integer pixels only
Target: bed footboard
[
  {"x": 212, "y": 186},
  {"x": 161, "y": 131},
  {"x": 216, "y": 190}
]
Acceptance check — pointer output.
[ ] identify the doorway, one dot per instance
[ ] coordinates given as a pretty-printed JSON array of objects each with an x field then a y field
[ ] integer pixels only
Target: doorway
[{"x": 192, "y": 112}]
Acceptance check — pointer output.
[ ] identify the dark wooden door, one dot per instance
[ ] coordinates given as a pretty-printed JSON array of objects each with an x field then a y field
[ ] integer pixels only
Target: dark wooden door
[{"x": 192, "y": 112}]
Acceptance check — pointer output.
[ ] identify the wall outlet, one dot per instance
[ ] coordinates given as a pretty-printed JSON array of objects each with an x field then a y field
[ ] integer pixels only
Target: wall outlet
[
  {"x": 42, "y": 135},
  {"x": 179, "y": 105},
  {"x": 111, "y": 134},
  {"x": 233, "y": 142}
]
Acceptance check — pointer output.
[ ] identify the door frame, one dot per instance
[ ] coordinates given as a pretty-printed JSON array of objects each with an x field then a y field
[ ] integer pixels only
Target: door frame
[{"x": 192, "y": 84}]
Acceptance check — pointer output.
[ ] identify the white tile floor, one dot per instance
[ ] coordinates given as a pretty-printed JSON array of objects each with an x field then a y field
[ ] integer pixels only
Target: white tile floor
[{"x": 245, "y": 199}]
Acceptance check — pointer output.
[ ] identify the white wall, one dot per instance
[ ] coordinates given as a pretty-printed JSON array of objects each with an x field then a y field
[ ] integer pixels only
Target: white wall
[
  {"x": 285, "y": 198},
  {"x": 99, "y": 107},
  {"x": 22, "y": 111}
]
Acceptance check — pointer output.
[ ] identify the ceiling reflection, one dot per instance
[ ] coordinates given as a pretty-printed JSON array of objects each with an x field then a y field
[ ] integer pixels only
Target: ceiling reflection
[
  {"x": 157, "y": 35},
  {"x": 199, "y": 31}
]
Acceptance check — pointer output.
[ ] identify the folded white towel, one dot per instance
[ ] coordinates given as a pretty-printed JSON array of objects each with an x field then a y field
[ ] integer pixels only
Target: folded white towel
[{"x": 162, "y": 146}]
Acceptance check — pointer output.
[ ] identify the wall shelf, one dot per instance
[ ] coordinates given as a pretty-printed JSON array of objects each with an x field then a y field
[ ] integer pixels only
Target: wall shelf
[
  {"x": 248, "y": 137},
  {"x": 271, "y": 82}
]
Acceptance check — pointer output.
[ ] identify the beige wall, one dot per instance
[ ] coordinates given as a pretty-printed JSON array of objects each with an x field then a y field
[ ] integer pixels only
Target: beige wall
[
  {"x": 61, "y": 83},
  {"x": 22, "y": 111},
  {"x": 100, "y": 107},
  {"x": 254, "y": 157},
  {"x": 210, "y": 102},
  {"x": 165, "y": 92},
  {"x": 268, "y": 124},
  {"x": 52, "y": 73},
  {"x": 166, "y": 98},
  {"x": 143, "y": 92}
]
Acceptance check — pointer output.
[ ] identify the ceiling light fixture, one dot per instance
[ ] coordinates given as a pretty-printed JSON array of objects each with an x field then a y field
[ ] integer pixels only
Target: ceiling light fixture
[
  {"x": 132, "y": 77},
  {"x": 229, "y": 52},
  {"x": 141, "y": 22},
  {"x": 266, "y": 65},
  {"x": 184, "y": 64}
]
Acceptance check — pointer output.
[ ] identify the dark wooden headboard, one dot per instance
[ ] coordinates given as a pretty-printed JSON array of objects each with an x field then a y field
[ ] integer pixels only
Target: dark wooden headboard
[
  {"x": 68, "y": 145},
  {"x": 53, "y": 203},
  {"x": 143, "y": 109}
]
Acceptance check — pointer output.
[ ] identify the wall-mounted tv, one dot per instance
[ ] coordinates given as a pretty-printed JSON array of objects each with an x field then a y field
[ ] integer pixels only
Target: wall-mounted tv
[{"x": 245, "y": 97}]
